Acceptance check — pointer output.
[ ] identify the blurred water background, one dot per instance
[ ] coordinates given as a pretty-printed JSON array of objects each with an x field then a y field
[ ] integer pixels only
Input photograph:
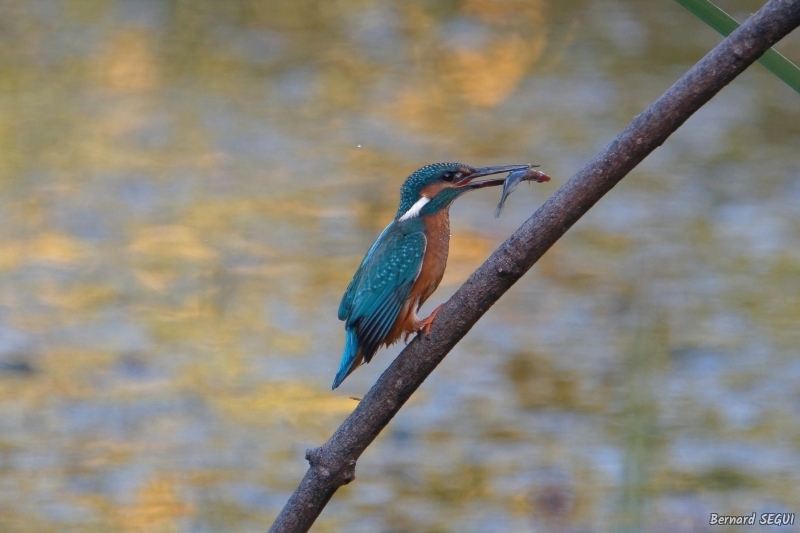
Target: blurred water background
[{"x": 186, "y": 188}]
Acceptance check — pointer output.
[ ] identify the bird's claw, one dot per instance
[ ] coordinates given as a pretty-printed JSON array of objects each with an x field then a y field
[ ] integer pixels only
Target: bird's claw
[
  {"x": 424, "y": 326},
  {"x": 428, "y": 322}
]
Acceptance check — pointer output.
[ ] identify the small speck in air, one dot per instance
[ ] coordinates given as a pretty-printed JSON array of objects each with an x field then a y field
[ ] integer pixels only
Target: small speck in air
[{"x": 359, "y": 146}]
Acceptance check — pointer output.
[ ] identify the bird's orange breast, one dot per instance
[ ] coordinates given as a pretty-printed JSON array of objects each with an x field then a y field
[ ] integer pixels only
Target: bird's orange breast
[{"x": 437, "y": 230}]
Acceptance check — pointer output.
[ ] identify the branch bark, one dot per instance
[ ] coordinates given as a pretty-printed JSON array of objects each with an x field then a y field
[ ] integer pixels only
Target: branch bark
[{"x": 333, "y": 464}]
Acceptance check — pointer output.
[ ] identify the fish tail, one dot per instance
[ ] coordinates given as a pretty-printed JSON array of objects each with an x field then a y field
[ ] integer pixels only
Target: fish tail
[{"x": 499, "y": 208}]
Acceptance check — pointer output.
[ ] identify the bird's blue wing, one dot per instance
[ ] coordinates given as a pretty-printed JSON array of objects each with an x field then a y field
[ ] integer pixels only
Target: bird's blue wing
[
  {"x": 347, "y": 300},
  {"x": 382, "y": 284}
]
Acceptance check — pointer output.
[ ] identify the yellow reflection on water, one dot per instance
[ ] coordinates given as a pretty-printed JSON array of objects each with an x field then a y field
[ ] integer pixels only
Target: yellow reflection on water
[
  {"x": 157, "y": 508},
  {"x": 295, "y": 403},
  {"x": 188, "y": 187}
]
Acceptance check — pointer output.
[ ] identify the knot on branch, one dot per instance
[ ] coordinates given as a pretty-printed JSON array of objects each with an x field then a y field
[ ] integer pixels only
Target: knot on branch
[
  {"x": 505, "y": 267},
  {"x": 740, "y": 52},
  {"x": 349, "y": 473},
  {"x": 314, "y": 456},
  {"x": 332, "y": 471}
]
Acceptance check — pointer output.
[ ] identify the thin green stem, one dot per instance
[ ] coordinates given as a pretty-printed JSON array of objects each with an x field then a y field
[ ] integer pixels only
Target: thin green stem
[{"x": 725, "y": 24}]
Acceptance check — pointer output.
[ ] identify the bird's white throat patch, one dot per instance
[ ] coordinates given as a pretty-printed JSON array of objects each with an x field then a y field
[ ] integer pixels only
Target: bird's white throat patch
[{"x": 415, "y": 209}]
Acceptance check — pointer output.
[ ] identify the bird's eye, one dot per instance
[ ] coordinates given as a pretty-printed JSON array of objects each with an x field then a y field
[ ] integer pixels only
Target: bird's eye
[{"x": 447, "y": 176}]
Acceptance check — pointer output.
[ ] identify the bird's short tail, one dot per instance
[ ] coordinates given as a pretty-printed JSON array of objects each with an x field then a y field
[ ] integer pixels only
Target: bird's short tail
[{"x": 351, "y": 357}]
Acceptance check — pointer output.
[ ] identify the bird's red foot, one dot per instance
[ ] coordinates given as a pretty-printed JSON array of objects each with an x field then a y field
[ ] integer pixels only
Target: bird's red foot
[{"x": 426, "y": 324}]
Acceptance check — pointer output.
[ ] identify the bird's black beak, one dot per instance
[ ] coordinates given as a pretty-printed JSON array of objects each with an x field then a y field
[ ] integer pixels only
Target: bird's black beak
[{"x": 468, "y": 180}]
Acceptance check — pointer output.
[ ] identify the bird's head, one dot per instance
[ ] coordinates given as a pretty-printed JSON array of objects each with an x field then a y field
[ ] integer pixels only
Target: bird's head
[{"x": 434, "y": 187}]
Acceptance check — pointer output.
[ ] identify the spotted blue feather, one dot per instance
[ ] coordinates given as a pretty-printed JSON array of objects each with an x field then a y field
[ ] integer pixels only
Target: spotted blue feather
[{"x": 376, "y": 294}]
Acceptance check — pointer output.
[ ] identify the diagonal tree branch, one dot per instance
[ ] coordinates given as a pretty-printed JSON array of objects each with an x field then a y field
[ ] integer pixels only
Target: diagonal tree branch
[{"x": 333, "y": 464}]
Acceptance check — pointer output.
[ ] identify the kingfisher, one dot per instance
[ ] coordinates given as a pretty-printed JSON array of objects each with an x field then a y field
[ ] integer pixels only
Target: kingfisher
[{"x": 406, "y": 263}]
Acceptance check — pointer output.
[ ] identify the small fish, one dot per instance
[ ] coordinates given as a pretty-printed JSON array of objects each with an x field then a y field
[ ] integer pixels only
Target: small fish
[{"x": 513, "y": 179}]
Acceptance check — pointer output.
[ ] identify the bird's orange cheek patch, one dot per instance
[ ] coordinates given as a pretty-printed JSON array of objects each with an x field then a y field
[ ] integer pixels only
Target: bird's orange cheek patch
[{"x": 432, "y": 190}]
